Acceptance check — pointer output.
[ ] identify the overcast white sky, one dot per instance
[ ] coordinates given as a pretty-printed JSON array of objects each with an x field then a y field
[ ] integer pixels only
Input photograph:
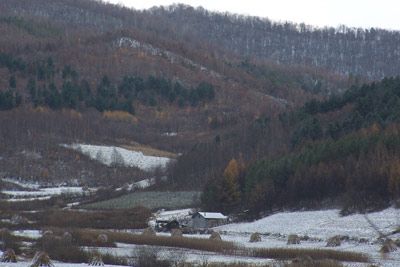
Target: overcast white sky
[{"x": 353, "y": 13}]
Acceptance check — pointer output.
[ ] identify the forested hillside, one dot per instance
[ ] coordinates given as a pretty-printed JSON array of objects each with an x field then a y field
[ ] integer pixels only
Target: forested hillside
[
  {"x": 210, "y": 87},
  {"x": 344, "y": 150},
  {"x": 371, "y": 53}
]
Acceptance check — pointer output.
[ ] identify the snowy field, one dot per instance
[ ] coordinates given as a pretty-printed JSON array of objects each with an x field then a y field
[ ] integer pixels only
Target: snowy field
[
  {"x": 109, "y": 155},
  {"x": 32, "y": 191},
  {"x": 318, "y": 226}
]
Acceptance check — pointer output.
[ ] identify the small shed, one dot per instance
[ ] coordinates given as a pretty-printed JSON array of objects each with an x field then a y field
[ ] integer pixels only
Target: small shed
[{"x": 208, "y": 219}]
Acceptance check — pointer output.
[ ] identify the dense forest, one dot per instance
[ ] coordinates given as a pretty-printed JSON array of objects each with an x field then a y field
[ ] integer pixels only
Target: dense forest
[{"x": 344, "y": 148}]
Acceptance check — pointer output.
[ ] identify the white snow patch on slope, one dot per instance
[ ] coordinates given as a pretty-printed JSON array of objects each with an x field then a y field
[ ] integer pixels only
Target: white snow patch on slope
[
  {"x": 51, "y": 191},
  {"x": 23, "y": 184},
  {"x": 108, "y": 155},
  {"x": 35, "y": 234}
]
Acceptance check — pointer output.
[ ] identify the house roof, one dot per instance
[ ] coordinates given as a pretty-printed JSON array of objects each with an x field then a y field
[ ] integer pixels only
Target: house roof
[{"x": 212, "y": 215}]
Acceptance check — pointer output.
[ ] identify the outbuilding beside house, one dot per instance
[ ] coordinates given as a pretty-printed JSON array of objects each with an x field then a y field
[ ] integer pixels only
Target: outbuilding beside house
[{"x": 201, "y": 220}]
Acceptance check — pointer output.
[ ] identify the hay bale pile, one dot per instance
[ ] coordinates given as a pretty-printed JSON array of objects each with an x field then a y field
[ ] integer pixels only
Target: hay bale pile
[
  {"x": 293, "y": 240},
  {"x": 255, "y": 237},
  {"x": 8, "y": 256},
  {"x": 215, "y": 236},
  {"x": 41, "y": 259},
  {"x": 334, "y": 241},
  {"x": 176, "y": 233},
  {"x": 388, "y": 246},
  {"x": 149, "y": 232}
]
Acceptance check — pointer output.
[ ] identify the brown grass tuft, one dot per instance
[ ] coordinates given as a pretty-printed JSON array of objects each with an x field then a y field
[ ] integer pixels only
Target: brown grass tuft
[{"x": 119, "y": 115}]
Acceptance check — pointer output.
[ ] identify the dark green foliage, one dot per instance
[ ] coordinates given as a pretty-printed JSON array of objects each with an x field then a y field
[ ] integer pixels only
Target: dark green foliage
[
  {"x": 74, "y": 93},
  {"x": 12, "y": 82},
  {"x": 13, "y": 64},
  {"x": 154, "y": 90},
  {"x": 9, "y": 100},
  {"x": 348, "y": 153},
  {"x": 374, "y": 103}
]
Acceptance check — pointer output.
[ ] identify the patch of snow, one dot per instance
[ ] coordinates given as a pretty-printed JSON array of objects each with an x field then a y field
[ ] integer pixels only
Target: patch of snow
[
  {"x": 51, "y": 191},
  {"x": 21, "y": 183},
  {"x": 27, "y": 199},
  {"x": 170, "y": 134},
  {"x": 109, "y": 155},
  {"x": 154, "y": 51},
  {"x": 34, "y": 234},
  {"x": 212, "y": 215},
  {"x": 144, "y": 183}
]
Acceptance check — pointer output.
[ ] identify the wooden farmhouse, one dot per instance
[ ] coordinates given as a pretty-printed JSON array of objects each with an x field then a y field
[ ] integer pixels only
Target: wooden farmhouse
[{"x": 201, "y": 220}]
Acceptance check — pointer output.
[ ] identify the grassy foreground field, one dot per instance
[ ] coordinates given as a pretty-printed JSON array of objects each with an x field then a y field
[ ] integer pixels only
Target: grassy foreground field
[{"x": 151, "y": 200}]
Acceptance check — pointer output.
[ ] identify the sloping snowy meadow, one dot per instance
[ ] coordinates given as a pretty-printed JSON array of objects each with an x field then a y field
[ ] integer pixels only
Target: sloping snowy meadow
[{"x": 109, "y": 155}]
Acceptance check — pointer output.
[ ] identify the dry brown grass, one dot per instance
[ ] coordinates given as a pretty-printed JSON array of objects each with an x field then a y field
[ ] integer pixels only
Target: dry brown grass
[
  {"x": 150, "y": 151},
  {"x": 315, "y": 254},
  {"x": 312, "y": 263},
  {"x": 131, "y": 218},
  {"x": 180, "y": 242},
  {"x": 320, "y": 256},
  {"x": 119, "y": 115}
]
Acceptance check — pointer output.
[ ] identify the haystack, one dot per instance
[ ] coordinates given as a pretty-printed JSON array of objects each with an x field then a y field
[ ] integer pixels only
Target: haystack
[
  {"x": 8, "y": 256},
  {"x": 388, "y": 246},
  {"x": 47, "y": 234},
  {"x": 102, "y": 238},
  {"x": 176, "y": 233},
  {"x": 149, "y": 232},
  {"x": 96, "y": 260},
  {"x": 334, "y": 241},
  {"x": 293, "y": 240},
  {"x": 67, "y": 237},
  {"x": 215, "y": 236},
  {"x": 41, "y": 259},
  {"x": 255, "y": 237}
]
